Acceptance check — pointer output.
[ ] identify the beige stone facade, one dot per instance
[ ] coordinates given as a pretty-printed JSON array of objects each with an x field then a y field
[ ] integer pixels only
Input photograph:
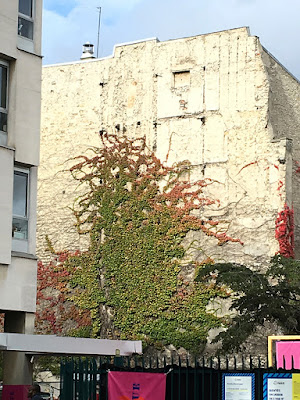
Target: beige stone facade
[{"x": 218, "y": 100}]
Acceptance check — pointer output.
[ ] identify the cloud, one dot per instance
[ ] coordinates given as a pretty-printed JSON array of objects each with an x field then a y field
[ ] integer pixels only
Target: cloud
[
  {"x": 62, "y": 7},
  {"x": 274, "y": 21},
  {"x": 67, "y": 24}
]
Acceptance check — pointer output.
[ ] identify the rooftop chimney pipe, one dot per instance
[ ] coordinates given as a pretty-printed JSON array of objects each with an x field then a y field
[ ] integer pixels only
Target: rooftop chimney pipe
[{"x": 87, "y": 51}]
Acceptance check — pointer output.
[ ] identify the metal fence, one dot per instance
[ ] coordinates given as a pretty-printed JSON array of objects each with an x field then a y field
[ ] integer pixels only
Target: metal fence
[{"x": 187, "y": 379}]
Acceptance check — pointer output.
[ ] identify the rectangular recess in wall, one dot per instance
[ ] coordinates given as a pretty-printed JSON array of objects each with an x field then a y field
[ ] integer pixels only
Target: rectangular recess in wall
[{"x": 181, "y": 78}]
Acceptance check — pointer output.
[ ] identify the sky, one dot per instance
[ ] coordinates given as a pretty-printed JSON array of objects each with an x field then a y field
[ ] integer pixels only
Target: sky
[{"x": 67, "y": 24}]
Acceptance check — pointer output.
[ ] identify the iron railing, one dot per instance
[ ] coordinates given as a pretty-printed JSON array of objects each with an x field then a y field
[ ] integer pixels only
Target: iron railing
[{"x": 187, "y": 378}]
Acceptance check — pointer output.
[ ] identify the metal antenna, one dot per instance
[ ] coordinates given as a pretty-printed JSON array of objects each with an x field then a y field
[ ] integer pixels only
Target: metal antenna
[{"x": 98, "y": 8}]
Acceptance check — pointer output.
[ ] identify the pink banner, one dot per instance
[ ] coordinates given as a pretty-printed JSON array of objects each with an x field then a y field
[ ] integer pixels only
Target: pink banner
[
  {"x": 136, "y": 386},
  {"x": 287, "y": 350},
  {"x": 15, "y": 392}
]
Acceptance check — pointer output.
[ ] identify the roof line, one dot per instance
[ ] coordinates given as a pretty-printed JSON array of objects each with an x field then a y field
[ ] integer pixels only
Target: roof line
[
  {"x": 278, "y": 62},
  {"x": 78, "y": 61},
  {"x": 103, "y": 58},
  {"x": 141, "y": 41}
]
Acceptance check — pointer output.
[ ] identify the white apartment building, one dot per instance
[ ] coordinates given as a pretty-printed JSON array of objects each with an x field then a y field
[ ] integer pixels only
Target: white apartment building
[{"x": 20, "y": 94}]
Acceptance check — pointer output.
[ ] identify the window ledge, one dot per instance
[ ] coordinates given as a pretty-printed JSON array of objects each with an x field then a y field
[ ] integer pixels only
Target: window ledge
[
  {"x": 23, "y": 255},
  {"x": 7, "y": 147},
  {"x": 29, "y": 52}
]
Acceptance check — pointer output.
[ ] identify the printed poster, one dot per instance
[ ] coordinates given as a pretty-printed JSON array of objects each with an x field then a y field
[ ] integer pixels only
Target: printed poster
[
  {"x": 136, "y": 386},
  {"x": 238, "y": 386},
  {"x": 277, "y": 386},
  {"x": 285, "y": 352},
  {"x": 15, "y": 392},
  {"x": 296, "y": 386}
]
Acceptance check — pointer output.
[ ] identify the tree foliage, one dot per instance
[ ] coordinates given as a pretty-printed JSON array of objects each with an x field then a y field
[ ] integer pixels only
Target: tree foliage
[
  {"x": 258, "y": 297},
  {"x": 137, "y": 211}
]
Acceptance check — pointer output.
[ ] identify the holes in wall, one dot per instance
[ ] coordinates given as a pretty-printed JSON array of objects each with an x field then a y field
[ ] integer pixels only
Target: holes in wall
[{"x": 181, "y": 78}]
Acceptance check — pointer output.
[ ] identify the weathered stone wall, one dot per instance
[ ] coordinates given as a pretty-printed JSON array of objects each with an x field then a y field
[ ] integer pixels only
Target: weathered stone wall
[
  {"x": 205, "y": 99},
  {"x": 284, "y": 122}
]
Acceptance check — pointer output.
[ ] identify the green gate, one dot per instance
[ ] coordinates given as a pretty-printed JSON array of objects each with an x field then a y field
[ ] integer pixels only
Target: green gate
[{"x": 187, "y": 379}]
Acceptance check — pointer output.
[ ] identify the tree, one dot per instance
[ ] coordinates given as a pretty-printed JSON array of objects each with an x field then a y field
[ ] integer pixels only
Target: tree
[
  {"x": 137, "y": 211},
  {"x": 258, "y": 297}
]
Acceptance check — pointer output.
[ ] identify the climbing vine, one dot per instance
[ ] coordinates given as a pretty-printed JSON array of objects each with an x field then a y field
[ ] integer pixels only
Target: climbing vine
[
  {"x": 132, "y": 280},
  {"x": 284, "y": 232},
  {"x": 55, "y": 314}
]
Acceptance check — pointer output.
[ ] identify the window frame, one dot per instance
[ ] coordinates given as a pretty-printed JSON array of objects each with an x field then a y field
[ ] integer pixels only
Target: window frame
[
  {"x": 3, "y": 134},
  {"x": 28, "y": 18},
  {"x": 21, "y": 244}
]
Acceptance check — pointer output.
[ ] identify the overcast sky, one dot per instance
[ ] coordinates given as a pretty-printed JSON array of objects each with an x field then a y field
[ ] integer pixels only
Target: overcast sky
[{"x": 67, "y": 24}]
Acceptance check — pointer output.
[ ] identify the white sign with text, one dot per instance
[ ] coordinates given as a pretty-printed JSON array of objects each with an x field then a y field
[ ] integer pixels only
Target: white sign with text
[
  {"x": 238, "y": 387},
  {"x": 279, "y": 389}
]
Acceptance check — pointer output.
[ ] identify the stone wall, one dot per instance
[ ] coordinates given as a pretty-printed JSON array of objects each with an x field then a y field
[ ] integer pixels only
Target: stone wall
[
  {"x": 284, "y": 122},
  {"x": 207, "y": 99}
]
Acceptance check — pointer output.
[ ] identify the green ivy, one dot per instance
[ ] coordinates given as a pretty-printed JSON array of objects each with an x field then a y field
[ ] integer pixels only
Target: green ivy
[{"x": 137, "y": 212}]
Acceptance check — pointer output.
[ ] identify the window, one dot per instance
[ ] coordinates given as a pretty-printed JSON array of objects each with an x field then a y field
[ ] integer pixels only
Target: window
[
  {"x": 20, "y": 209},
  {"x": 3, "y": 101},
  {"x": 25, "y": 20}
]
